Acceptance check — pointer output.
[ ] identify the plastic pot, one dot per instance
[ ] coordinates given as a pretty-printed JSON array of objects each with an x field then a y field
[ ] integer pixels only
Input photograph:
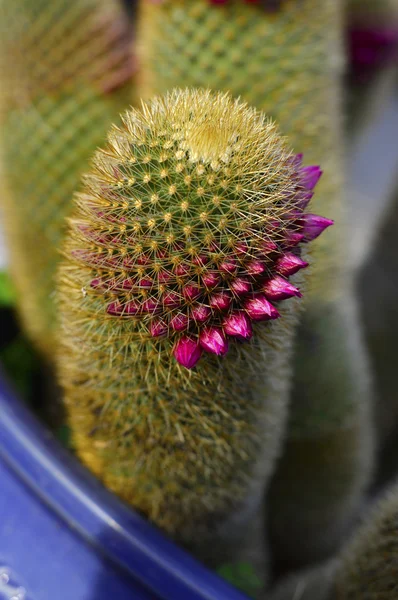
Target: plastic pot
[{"x": 65, "y": 537}]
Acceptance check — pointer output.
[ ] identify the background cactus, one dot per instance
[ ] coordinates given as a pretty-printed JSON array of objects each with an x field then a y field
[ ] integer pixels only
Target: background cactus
[
  {"x": 189, "y": 224},
  {"x": 289, "y": 64},
  {"x": 365, "y": 570},
  {"x": 64, "y": 68}
]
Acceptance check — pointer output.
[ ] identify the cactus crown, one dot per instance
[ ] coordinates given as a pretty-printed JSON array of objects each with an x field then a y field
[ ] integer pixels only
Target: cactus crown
[{"x": 192, "y": 220}]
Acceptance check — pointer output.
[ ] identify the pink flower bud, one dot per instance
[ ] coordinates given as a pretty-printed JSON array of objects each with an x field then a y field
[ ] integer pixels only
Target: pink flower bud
[
  {"x": 131, "y": 308},
  {"x": 145, "y": 283},
  {"x": 179, "y": 322},
  {"x": 150, "y": 306},
  {"x": 200, "y": 260},
  {"x": 187, "y": 352},
  {"x": 280, "y": 289},
  {"x": 210, "y": 280},
  {"x": 200, "y": 313},
  {"x": 213, "y": 340},
  {"x": 241, "y": 248},
  {"x": 220, "y": 301},
  {"x": 293, "y": 238},
  {"x": 288, "y": 264},
  {"x": 238, "y": 325},
  {"x": 114, "y": 309},
  {"x": 240, "y": 286},
  {"x": 314, "y": 225},
  {"x": 310, "y": 177},
  {"x": 96, "y": 283},
  {"x": 158, "y": 328},
  {"x": 228, "y": 266},
  {"x": 260, "y": 309},
  {"x": 181, "y": 270},
  {"x": 255, "y": 267},
  {"x": 190, "y": 292},
  {"x": 267, "y": 247},
  {"x": 164, "y": 277},
  {"x": 171, "y": 299}
]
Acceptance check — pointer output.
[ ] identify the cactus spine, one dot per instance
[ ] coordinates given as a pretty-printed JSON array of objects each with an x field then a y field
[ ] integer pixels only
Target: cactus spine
[
  {"x": 63, "y": 65},
  {"x": 182, "y": 240},
  {"x": 289, "y": 64}
]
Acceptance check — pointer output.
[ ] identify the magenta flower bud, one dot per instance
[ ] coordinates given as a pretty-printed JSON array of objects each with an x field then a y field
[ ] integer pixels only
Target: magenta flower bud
[
  {"x": 241, "y": 248},
  {"x": 143, "y": 260},
  {"x": 293, "y": 238},
  {"x": 171, "y": 299},
  {"x": 145, "y": 283},
  {"x": 314, "y": 225},
  {"x": 190, "y": 292},
  {"x": 131, "y": 308},
  {"x": 114, "y": 308},
  {"x": 96, "y": 283},
  {"x": 240, "y": 286},
  {"x": 213, "y": 340},
  {"x": 150, "y": 306},
  {"x": 228, "y": 266},
  {"x": 296, "y": 160},
  {"x": 127, "y": 284},
  {"x": 260, "y": 309},
  {"x": 210, "y": 280},
  {"x": 187, "y": 352},
  {"x": 179, "y": 322},
  {"x": 164, "y": 277},
  {"x": 181, "y": 270},
  {"x": 255, "y": 267},
  {"x": 200, "y": 313},
  {"x": 280, "y": 289},
  {"x": 220, "y": 301},
  {"x": 238, "y": 325},
  {"x": 200, "y": 260},
  {"x": 289, "y": 264},
  {"x": 267, "y": 247},
  {"x": 157, "y": 328},
  {"x": 310, "y": 177}
]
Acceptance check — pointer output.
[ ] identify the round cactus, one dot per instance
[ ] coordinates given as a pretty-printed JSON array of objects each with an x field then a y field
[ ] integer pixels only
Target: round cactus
[
  {"x": 190, "y": 232},
  {"x": 182, "y": 243}
]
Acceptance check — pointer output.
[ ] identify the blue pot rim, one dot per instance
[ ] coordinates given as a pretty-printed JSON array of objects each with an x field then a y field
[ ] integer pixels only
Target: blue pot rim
[{"x": 55, "y": 476}]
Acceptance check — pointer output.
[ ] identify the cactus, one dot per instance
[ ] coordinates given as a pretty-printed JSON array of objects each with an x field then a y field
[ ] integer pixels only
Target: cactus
[
  {"x": 368, "y": 565},
  {"x": 289, "y": 64},
  {"x": 181, "y": 244},
  {"x": 379, "y": 315},
  {"x": 63, "y": 71},
  {"x": 366, "y": 569}
]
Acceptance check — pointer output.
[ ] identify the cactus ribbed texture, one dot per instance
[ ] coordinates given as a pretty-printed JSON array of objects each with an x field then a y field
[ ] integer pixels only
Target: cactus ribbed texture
[
  {"x": 289, "y": 64},
  {"x": 191, "y": 194},
  {"x": 64, "y": 67}
]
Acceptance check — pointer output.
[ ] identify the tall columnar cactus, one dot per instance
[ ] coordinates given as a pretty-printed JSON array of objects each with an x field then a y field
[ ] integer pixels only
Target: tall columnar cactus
[
  {"x": 182, "y": 243},
  {"x": 366, "y": 569},
  {"x": 64, "y": 67},
  {"x": 288, "y": 63}
]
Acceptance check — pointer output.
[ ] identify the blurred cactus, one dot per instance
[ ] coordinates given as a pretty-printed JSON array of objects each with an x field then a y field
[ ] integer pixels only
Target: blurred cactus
[
  {"x": 289, "y": 64},
  {"x": 369, "y": 563},
  {"x": 182, "y": 241},
  {"x": 64, "y": 75},
  {"x": 379, "y": 314}
]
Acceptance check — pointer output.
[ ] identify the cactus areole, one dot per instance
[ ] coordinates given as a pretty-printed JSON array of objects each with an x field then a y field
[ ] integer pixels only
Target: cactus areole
[{"x": 192, "y": 220}]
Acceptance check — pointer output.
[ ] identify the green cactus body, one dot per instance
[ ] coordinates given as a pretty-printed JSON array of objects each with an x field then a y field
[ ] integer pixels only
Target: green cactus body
[
  {"x": 160, "y": 256},
  {"x": 63, "y": 68},
  {"x": 368, "y": 567},
  {"x": 374, "y": 13},
  {"x": 288, "y": 64}
]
